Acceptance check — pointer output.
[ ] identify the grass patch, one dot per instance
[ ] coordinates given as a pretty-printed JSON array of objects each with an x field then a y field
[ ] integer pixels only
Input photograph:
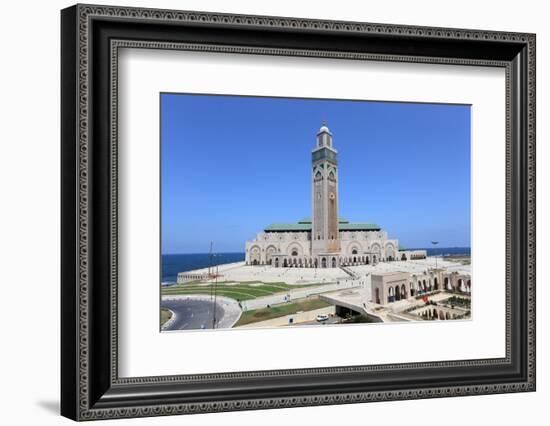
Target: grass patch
[
  {"x": 280, "y": 310},
  {"x": 235, "y": 290},
  {"x": 165, "y": 315}
]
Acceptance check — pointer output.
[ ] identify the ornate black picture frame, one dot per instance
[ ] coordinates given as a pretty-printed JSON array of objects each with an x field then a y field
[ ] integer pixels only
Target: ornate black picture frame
[{"x": 91, "y": 36}]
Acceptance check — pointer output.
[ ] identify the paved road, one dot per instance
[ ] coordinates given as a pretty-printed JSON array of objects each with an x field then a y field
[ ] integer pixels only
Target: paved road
[
  {"x": 332, "y": 320},
  {"x": 195, "y": 312},
  {"x": 192, "y": 314}
]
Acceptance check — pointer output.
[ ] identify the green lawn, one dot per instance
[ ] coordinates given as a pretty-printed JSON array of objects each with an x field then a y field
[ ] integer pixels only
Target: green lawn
[
  {"x": 238, "y": 291},
  {"x": 280, "y": 310},
  {"x": 165, "y": 315}
]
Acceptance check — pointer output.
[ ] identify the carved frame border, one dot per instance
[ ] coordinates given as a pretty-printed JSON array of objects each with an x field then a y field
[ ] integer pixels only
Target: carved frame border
[{"x": 84, "y": 15}]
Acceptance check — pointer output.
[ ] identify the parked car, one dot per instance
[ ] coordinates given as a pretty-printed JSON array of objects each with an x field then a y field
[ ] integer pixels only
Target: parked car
[{"x": 322, "y": 317}]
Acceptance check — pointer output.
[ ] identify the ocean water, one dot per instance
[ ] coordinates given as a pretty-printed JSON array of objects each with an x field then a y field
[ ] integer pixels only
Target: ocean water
[
  {"x": 174, "y": 263},
  {"x": 447, "y": 251}
]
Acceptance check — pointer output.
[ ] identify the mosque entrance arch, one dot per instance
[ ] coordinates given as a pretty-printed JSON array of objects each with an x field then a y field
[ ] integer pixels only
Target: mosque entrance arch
[
  {"x": 334, "y": 262},
  {"x": 324, "y": 262}
]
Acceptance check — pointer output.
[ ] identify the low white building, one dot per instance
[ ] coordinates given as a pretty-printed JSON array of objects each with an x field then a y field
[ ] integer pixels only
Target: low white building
[{"x": 326, "y": 240}]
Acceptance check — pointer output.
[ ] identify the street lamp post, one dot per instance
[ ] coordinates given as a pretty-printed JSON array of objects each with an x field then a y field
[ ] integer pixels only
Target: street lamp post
[{"x": 434, "y": 243}]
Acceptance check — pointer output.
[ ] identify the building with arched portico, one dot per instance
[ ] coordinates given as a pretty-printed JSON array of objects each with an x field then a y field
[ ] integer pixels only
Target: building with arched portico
[{"x": 325, "y": 240}]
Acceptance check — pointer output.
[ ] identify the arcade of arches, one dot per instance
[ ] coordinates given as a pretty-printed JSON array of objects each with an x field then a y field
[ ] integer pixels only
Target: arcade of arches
[{"x": 390, "y": 287}]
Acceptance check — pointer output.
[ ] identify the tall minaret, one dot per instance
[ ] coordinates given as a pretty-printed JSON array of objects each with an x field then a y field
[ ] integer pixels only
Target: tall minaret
[{"x": 324, "y": 229}]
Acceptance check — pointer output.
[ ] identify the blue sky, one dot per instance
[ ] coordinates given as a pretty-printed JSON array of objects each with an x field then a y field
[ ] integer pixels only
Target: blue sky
[{"x": 233, "y": 165}]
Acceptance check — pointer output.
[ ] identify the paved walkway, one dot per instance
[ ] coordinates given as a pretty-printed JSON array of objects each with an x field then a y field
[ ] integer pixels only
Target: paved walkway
[{"x": 298, "y": 293}]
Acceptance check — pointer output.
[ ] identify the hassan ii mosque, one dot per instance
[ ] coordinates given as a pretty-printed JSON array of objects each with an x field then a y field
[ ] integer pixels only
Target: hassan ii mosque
[{"x": 325, "y": 240}]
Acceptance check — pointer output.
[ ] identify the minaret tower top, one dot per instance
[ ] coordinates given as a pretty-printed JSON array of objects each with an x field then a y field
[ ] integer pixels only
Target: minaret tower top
[{"x": 324, "y": 137}]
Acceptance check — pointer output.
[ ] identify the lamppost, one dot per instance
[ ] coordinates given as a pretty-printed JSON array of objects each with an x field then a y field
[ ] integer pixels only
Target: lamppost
[
  {"x": 434, "y": 243},
  {"x": 215, "y": 288}
]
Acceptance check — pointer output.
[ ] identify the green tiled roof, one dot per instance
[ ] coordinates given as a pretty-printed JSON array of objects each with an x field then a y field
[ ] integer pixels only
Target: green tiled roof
[
  {"x": 308, "y": 220},
  {"x": 289, "y": 227},
  {"x": 305, "y": 225},
  {"x": 358, "y": 226}
]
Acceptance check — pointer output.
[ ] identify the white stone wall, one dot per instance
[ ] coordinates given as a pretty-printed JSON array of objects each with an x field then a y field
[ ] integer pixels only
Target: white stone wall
[
  {"x": 356, "y": 248},
  {"x": 266, "y": 244}
]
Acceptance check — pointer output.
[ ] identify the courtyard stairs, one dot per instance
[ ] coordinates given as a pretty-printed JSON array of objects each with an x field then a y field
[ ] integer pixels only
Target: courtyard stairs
[{"x": 349, "y": 272}]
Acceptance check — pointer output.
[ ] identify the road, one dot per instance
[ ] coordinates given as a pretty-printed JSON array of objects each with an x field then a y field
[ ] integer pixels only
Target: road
[
  {"x": 298, "y": 293},
  {"x": 192, "y": 314},
  {"x": 196, "y": 312},
  {"x": 332, "y": 320}
]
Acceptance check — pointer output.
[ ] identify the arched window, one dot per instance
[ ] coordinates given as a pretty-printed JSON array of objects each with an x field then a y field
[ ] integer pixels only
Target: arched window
[
  {"x": 354, "y": 251},
  {"x": 294, "y": 252}
]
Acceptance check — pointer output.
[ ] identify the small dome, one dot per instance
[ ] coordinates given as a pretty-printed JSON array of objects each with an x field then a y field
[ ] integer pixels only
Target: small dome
[{"x": 324, "y": 128}]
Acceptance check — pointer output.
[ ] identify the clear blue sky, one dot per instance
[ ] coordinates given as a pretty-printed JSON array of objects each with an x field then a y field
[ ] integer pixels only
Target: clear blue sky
[{"x": 233, "y": 165}]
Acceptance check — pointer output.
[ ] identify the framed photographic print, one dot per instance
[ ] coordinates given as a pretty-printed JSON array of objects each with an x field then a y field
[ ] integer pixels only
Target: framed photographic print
[{"x": 263, "y": 212}]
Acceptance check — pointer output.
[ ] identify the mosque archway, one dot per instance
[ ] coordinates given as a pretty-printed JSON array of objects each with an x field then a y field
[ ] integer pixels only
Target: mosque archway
[
  {"x": 377, "y": 296},
  {"x": 334, "y": 262},
  {"x": 269, "y": 252},
  {"x": 255, "y": 255},
  {"x": 324, "y": 262},
  {"x": 285, "y": 263},
  {"x": 397, "y": 293},
  {"x": 389, "y": 252}
]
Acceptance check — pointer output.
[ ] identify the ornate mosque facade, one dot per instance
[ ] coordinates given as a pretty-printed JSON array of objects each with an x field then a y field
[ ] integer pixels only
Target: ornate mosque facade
[{"x": 325, "y": 240}]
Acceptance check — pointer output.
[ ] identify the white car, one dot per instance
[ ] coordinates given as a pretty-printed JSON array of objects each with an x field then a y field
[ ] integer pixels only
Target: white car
[{"x": 322, "y": 317}]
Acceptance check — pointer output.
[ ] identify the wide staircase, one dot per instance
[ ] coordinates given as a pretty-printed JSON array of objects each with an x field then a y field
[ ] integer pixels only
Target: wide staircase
[{"x": 349, "y": 272}]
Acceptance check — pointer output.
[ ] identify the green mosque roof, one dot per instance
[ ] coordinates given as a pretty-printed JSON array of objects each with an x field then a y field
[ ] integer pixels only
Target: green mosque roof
[
  {"x": 305, "y": 225},
  {"x": 308, "y": 220}
]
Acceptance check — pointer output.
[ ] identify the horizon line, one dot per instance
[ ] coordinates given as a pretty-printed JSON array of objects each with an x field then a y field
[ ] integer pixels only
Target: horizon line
[{"x": 239, "y": 252}]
